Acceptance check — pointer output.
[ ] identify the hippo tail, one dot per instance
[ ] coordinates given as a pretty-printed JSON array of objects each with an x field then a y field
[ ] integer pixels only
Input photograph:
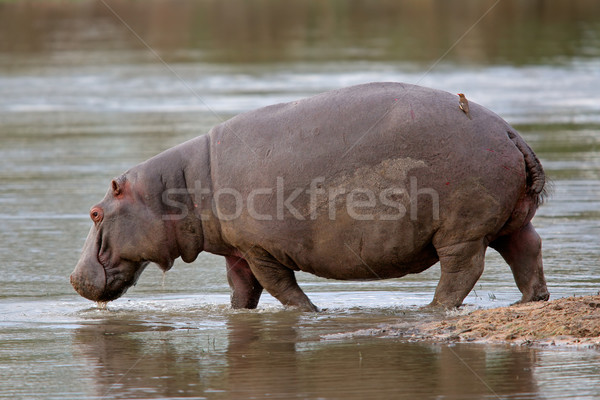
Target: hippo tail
[{"x": 536, "y": 178}]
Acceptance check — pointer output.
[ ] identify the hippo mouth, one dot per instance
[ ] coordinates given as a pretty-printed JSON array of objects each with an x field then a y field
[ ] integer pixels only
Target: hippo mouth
[
  {"x": 112, "y": 281},
  {"x": 120, "y": 278},
  {"x": 98, "y": 279}
]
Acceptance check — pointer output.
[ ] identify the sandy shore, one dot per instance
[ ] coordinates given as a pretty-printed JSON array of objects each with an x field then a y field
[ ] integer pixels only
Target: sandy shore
[
  {"x": 566, "y": 321},
  {"x": 569, "y": 321}
]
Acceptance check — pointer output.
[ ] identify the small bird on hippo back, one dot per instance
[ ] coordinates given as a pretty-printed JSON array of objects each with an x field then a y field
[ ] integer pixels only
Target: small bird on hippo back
[{"x": 463, "y": 104}]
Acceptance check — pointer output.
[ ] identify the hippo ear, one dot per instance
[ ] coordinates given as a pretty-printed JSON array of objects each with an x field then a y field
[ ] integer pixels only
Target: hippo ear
[{"x": 116, "y": 186}]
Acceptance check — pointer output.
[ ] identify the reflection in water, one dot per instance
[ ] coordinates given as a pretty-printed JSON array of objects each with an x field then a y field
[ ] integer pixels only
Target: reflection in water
[
  {"x": 262, "y": 357},
  {"x": 265, "y": 355},
  {"x": 130, "y": 360}
]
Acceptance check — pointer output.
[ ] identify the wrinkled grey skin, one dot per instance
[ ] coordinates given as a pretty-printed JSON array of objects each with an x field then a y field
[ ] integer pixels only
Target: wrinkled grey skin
[{"x": 465, "y": 184}]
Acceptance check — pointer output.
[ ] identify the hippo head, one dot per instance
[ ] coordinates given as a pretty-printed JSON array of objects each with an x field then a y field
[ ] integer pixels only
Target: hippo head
[{"x": 128, "y": 233}]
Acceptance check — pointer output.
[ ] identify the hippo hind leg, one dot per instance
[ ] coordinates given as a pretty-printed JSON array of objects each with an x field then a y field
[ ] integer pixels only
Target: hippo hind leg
[
  {"x": 245, "y": 288},
  {"x": 461, "y": 265},
  {"x": 522, "y": 250}
]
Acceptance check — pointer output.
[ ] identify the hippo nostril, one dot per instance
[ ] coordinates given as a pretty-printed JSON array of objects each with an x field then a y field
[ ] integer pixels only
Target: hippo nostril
[{"x": 96, "y": 214}]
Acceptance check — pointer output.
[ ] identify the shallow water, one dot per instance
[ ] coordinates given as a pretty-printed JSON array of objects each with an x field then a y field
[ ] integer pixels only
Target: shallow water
[{"x": 82, "y": 100}]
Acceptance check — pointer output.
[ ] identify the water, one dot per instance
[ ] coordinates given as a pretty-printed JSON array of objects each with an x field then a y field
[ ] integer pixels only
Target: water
[{"x": 82, "y": 100}]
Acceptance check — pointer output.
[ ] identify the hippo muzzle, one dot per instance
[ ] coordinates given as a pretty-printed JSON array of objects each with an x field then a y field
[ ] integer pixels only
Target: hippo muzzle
[{"x": 103, "y": 281}]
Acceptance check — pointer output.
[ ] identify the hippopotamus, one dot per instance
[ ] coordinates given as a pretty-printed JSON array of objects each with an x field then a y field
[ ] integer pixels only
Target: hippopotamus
[{"x": 368, "y": 182}]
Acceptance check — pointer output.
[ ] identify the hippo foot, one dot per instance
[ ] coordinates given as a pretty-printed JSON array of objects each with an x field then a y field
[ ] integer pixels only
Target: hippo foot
[
  {"x": 539, "y": 297},
  {"x": 434, "y": 305},
  {"x": 310, "y": 307}
]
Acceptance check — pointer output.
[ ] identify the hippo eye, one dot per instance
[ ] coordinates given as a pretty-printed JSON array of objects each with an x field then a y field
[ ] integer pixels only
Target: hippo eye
[{"x": 96, "y": 214}]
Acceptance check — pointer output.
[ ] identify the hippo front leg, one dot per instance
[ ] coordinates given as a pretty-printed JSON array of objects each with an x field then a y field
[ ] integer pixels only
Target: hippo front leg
[
  {"x": 281, "y": 283},
  {"x": 245, "y": 288},
  {"x": 522, "y": 251}
]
